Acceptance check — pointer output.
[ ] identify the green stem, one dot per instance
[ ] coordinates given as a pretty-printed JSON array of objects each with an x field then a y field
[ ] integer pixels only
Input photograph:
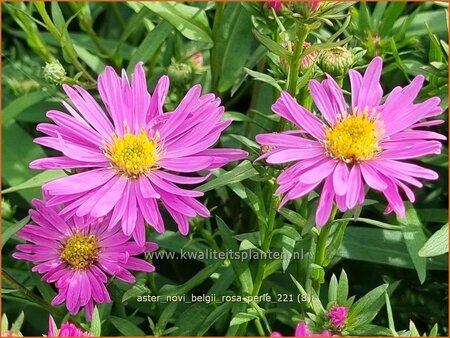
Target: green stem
[
  {"x": 254, "y": 99},
  {"x": 322, "y": 245},
  {"x": 67, "y": 46},
  {"x": 214, "y": 55},
  {"x": 259, "y": 328},
  {"x": 294, "y": 66},
  {"x": 32, "y": 297}
]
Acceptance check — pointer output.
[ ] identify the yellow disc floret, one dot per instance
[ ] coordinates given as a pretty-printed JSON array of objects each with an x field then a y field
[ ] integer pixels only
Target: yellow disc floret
[
  {"x": 353, "y": 139},
  {"x": 80, "y": 251},
  {"x": 133, "y": 155}
]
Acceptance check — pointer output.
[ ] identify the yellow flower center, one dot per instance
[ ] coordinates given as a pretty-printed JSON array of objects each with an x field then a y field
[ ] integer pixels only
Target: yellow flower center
[
  {"x": 133, "y": 155},
  {"x": 353, "y": 139},
  {"x": 80, "y": 251}
]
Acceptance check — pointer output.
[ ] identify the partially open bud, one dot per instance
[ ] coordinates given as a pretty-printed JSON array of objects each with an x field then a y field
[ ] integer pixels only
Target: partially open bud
[
  {"x": 338, "y": 316},
  {"x": 336, "y": 61},
  {"x": 54, "y": 72},
  {"x": 306, "y": 62},
  {"x": 180, "y": 73},
  {"x": 196, "y": 60},
  {"x": 8, "y": 210}
]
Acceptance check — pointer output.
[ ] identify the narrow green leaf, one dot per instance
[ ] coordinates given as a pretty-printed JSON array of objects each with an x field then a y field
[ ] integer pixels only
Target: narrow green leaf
[
  {"x": 21, "y": 103},
  {"x": 263, "y": 78},
  {"x": 8, "y": 232},
  {"x": 234, "y": 44},
  {"x": 96, "y": 324},
  {"x": 126, "y": 327},
  {"x": 368, "y": 305},
  {"x": 414, "y": 239},
  {"x": 437, "y": 244},
  {"x": 272, "y": 46},
  {"x": 190, "y": 21},
  {"x": 342, "y": 288},
  {"x": 333, "y": 290},
  {"x": 37, "y": 181},
  {"x": 150, "y": 45},
  {"x": 241, "y": 172},
  {"x": 242, "y": 317},
  {"x": 213, "y": 317},
  {"x": 17, "y": 325},
  {"x": 240, "y": 268}
]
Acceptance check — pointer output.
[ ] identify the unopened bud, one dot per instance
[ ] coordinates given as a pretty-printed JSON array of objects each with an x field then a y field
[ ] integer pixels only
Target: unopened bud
[
  {"x": 336, "y": 61},
  {"x": 8, "y": 211},
  {"x": 275, "y": 5},
  {"x": 54, "y": 72},
  {"x": 180, "y": 73},
  {"x": 196, "y": 60}
]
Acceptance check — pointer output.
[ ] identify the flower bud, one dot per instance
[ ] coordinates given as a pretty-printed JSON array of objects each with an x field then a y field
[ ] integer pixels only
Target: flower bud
[
  {"x": 7, "y": 210},
  {"x": 180, "y": 73},
  {"x": 338, "y": 316},
  {"x": 336, "y": 61},
  {"x": 196, "y": 60},
  {"x": 275, "y": 5},
  {"x": 54, "y": 72}
]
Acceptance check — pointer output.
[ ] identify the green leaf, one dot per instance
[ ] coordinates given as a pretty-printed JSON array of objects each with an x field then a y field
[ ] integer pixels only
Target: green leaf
[
  {"x": 381, "y": 246},
  {"x": 288, "y": 245},
  {"x": 91, "y": 60},
  {"x": 293, "y": 217},
  {"x": 272, "y": 46},
  {"x": 8, "y": 232},
  {"x": 414, "y": 239},
  {"x": 413, "y": 330},
  {"x": 23, "y": 102},
  {"x": 242, "y": 317},
  {"x": 393, "y": 12},
  {"x": 198, "y": 278},
  {"x": 342, "y": 288},
  {"x": 96, "y": 324},
  {"x": 126, "y": 327},
  {"x": 333, "y": 290},
  {"x": 240, "y": 268},
  {"x": 214, "y": 316},
  {"x": 135, "y": 291},
  {"x": 5, "y": 324},
  {"x": 241, "y": 172},
  {"x": 437, "y": 244},
  {"x": 190, "y": 21},
  {"x": 37, "y": 181},
  {"x": 367, "y": 307},
  {"x": 57, "y": 16},
  {"x": 233, "y": 44},
  {"x": 17, "y": 325},
  {"x": 150, "y": 45},
  {"x": 263, "y": 78}
]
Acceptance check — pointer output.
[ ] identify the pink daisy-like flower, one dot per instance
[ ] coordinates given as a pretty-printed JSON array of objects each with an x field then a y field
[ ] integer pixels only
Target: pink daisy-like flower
[
  {"x": 77, "y": 255},
  {"x": 134, "y": 152},
  {"x": 365, "y": 143},
  {"x": 66, "y": 330},
  {"x": 338, "y": 315},
  {"x": 302, "y": 331}
]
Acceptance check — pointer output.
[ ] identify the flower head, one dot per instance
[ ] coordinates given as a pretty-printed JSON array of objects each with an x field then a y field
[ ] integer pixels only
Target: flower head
[
  {"x": 77, "y": 255},
  {"x": 366, "y": 143},
  {"x": 66, "y": 330},
  {"x": 338, "y": 316},
  {"x": 133, "y": 154},
  {"x": 336, "y": 61},
  {"x": 302, "y": 331}
]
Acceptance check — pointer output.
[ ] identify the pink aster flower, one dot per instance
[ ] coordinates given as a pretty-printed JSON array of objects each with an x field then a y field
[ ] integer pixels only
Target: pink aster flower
[
  {"x": 66, "y": 330},
  {"x": 366, "y": 143},
  {"x": 77, "y": 255},
  {"x": 302, "y": 331},
  {"x": 338, "y": 315},
  {"x": 134, "y": 153}
]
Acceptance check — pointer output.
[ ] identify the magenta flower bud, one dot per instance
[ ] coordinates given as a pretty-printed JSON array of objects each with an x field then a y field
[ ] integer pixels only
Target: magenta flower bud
[
  {"x": 276, "y": 5},
  {"x": 338, "y": 315},
  {"x": 66, "y": 330}
]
